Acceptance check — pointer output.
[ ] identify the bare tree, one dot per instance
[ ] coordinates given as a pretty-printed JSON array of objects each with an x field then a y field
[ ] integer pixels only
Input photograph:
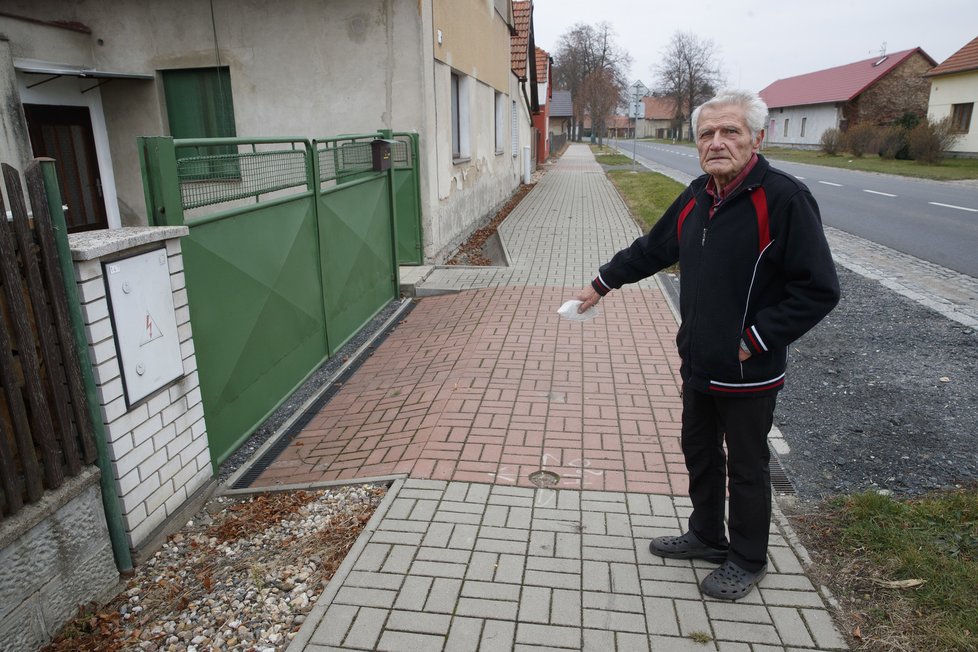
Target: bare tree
[
  {"x": 601, "y": 93},
  {"x": 588, "y": 57},
  {"x": 689, "y": 74}
]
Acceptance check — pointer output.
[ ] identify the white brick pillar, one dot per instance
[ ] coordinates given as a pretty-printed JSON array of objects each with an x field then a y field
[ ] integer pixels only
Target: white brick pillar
[{"x": 158, "y": 444}]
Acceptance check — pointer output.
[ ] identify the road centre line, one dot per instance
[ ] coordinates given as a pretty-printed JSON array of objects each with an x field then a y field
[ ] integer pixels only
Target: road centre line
[
  {"x": 829, "y": 183},
  {"x": 877, "y": 192},
  {"x": 960, "y": 208}
]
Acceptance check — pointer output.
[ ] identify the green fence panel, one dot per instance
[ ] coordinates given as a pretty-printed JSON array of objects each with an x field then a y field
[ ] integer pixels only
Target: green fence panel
[
  {"x": 359, "y": 268},
  {"x": 291, "y": 251},
  {"x": 256, "y": 303}
]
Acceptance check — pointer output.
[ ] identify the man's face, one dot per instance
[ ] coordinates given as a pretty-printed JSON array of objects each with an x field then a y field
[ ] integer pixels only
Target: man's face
[{"x": 724, "y": 142}]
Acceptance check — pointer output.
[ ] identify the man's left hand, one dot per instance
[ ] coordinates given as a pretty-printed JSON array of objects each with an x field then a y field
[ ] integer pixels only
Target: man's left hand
[{"x": 742, "y": 355}]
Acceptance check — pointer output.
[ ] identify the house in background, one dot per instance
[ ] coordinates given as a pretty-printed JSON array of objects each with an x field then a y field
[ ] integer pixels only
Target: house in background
[
  {"x": 561, "y": 115},
  {"x": 541, "y": 118},
  {"x": 81, "y": 81},
  {"x": 659, "y": 119},
  {"x": 953, "y": 92},
  {"x": 879, "y": 90},
  {"x": 523, "y": 63}
]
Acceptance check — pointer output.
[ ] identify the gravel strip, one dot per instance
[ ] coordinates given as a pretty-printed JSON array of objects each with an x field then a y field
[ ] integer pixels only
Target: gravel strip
[
  {"x": 242, "y": 575},
  {"x": 880, "y": 396}
]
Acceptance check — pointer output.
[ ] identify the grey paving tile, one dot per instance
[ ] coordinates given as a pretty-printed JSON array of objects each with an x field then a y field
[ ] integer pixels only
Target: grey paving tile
[
  {"x": 365, "y": 597},
  {"x": 413, "y": 593},
  {"x": 443, "y": 595},
  {"x": 566, "y": 608},
  {"x": 399, "y": 641},
  {"x": 481, "y": 608},
  {"x": 491, "y": 590},
  {"x": 746, "y": 632},
  {"x": 791, "y": 627},
  {"x": 661, "y": 617},
  {"x": 464, "y": 635},
  {"x": 497, "y": 636},
  {"x": 411, "y": 621},
  {"x": 548, "y": 635},
  {"x": 823, "y": 629},
  {"x": 334, "y": 625},
  {"x": 535, "y": 605},
  {"x": 366, "y": 628}
]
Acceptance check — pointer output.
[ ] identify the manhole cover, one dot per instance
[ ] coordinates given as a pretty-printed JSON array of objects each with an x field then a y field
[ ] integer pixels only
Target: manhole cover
[{"x": 544, "y": 479}]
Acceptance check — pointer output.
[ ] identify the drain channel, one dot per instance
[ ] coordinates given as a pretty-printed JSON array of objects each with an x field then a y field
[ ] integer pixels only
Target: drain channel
[{"x": 779, "y": 479}]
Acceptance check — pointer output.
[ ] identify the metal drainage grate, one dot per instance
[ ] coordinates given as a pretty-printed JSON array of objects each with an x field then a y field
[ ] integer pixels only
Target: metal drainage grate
[
  {"x": 779, "y": 479},
  {"x": 544, "y": 479}
]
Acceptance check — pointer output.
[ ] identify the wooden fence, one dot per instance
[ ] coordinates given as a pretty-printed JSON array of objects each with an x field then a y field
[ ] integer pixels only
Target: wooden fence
[{"x": 46, "y": 430}]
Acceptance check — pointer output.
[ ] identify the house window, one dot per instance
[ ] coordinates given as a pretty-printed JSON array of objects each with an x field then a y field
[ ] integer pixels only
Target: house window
[
  {"x": 499, "y": 110},
  {"x": 786, "y": 127},
  {"x": 199, "y": 105},
  {"x": 460, "y": 117},
  {"x": 803, "y": 121},
  {"x": 961, "y": 117}
]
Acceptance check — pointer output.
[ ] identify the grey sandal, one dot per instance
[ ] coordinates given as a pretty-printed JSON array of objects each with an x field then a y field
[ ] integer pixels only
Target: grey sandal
[
  {"x": 731, "y": 582},
  {"x": 688, "y": 546}
]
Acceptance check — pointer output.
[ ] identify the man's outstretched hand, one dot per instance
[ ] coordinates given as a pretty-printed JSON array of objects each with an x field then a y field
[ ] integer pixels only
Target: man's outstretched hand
[{"x": 588, "y": 297}]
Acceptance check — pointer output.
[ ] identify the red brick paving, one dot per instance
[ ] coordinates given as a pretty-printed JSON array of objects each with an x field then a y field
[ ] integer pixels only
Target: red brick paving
[{"x": 490, "y": 385}]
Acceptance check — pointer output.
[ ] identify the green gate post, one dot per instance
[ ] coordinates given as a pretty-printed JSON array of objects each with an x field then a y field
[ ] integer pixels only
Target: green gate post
[
  {"x": 161, "y": 184},
  {"x": 110, "y": 496},
  {"x": 388, "y": 134}
]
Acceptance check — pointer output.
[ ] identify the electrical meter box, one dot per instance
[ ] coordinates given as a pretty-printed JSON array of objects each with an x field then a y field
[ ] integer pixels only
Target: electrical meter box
[
  {"x": 381, "y": 151},
  {"x": 145, "y": 323}
]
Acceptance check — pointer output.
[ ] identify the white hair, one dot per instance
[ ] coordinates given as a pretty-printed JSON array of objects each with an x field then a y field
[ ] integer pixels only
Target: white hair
[{"x": 755, "y": 110}]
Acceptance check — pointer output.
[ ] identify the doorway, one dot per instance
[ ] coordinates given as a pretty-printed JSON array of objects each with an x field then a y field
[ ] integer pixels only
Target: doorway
[{"x": 64, "y": 133}]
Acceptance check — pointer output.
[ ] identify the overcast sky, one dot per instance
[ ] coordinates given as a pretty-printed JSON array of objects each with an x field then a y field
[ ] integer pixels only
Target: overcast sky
[{"x": 761, "y": 41}]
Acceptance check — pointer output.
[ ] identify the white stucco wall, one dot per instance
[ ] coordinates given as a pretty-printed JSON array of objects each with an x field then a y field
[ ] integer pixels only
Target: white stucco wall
[
  {"x": 817, "y": 117},
  {"x": 948, "y": 90}
]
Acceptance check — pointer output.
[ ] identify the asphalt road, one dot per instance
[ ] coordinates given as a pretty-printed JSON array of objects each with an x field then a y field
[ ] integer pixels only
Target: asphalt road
[{"x": 936, "y": 221}]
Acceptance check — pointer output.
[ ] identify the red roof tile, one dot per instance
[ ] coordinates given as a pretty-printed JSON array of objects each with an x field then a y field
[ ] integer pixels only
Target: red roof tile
[
  {"x": 543, "y": 66},
  {"x": 520, "y": 41},
  {"x": 839, "y": 84},
  {"x": 961, "y": 61}
]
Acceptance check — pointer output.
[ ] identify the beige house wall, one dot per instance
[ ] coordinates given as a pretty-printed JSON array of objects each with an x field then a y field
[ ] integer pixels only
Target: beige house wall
[
  {"x": 466, "y": 35},
  {"x": 948, "y": 90}
]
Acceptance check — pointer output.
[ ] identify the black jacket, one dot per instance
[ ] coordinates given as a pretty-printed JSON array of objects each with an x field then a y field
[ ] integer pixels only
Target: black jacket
[{"x": 758, "y": 272}]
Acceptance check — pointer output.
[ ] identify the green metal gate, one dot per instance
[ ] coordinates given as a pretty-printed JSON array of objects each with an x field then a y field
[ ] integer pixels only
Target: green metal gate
[{"x": 294, "y": 245}]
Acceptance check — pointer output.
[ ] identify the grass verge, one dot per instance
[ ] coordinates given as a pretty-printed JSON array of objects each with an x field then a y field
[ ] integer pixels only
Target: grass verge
[
  {"x": 952, "y": 169},
  {"x": 647, "y": 194},
  {"x": 904, "y": 571},
  {"x": 609, "y": 156}
]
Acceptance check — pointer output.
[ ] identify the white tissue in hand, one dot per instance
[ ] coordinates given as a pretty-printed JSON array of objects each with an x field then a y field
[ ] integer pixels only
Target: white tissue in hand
[{"x": 569, "y": 311}]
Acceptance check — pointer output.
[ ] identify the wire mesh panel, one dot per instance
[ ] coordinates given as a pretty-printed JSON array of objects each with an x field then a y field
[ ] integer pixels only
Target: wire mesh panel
[
  {"x": 401, "y": 154},
  {"x": 340, "y": 160},
  {"x": 207, "y": 178}
]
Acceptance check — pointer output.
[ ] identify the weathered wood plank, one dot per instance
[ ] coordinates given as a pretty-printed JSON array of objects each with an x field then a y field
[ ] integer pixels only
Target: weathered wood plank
[
  {"x": 42, "y": 323},
  {"x": 44, "y": 229},
  {"x": 29, "y": 465},
  {"x": 42, "y": 429}
]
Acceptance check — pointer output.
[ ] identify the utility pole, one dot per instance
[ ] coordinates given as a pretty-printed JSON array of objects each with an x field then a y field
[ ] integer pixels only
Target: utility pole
[{"x": 639, "y": 90}]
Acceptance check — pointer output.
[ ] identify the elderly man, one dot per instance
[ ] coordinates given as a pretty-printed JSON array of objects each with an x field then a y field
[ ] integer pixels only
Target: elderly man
[{"x": 756, "y": 274}]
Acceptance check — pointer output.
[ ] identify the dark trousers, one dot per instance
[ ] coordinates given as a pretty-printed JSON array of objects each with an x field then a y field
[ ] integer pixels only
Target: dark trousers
[{"x": 744, "y": 423}]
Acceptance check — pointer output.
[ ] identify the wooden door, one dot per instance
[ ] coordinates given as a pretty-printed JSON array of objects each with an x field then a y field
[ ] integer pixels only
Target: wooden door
[{"x": 64, "y": 133}]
